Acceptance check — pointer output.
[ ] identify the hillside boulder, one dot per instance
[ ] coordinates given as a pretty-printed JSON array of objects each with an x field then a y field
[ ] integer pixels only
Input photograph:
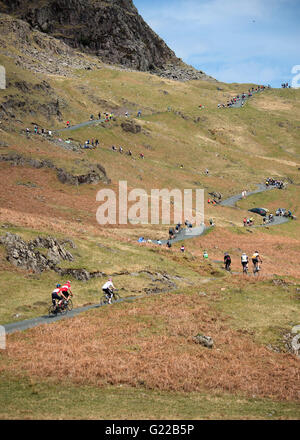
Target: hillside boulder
[{"x": 131, "y": 127}]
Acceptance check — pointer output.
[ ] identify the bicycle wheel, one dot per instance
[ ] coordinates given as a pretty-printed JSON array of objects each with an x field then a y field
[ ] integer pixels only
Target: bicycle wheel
[
  {"x": 115, "y": 297},
  {"x": 70, "y": 305},
  {"x": 103, "y": 300},
  {"x": 52, "y": 310},
  {"x": 63, "y": 309}
]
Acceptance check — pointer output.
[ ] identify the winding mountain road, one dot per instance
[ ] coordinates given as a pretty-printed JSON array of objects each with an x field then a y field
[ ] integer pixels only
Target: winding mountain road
[
  {"x": 187, "y": 233},
  {"x": 184, "y": 234},
  {"x": 82, "y": 124},
  {"x": 33, "y": 322},
  {"x": 240, "y": 101},
  {"x": 231, "y": 201}
]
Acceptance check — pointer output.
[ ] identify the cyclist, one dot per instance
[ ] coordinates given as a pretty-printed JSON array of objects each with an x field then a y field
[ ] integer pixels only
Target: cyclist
[
  {"x": 66, "y": 290},
  {"x": 256, "y": 260},
  {"x": 227, "y": 261},
  {"x": 244, "y": 261},
  {"x": 57, "y": 294},
  {"x": 108, "y": 289}
]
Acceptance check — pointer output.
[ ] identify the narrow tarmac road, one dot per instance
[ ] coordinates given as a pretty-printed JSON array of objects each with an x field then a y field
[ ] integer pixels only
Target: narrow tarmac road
[{"x": 184, "y": 234}]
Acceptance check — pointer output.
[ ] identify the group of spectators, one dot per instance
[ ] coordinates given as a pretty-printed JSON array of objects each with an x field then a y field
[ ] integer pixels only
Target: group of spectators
[
  {"x": 106, "y": 116},
  {"x": 129, "y": 152},
  {"x": 174, "y": 231},
  {"x": 37, "y": 130},
  {"x": 248, "y": 221},
  {"x": 274, "y": 182},
  {"x": 93, "y": 143},
  {"x": 213, "y": 201},
  {"x": 285, "y": 86},
  {"x": 242, "y": 97}
]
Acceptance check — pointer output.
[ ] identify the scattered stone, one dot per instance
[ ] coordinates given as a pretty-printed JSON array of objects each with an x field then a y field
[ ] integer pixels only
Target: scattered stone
[
  {"x": 280, "y": 282},
  {"x": 296, "y": 329},
  {"x": 52, "y": 57},
  {"x": 79, "y": 274},
  {"x": 273, "y": 348},
  {"x": 69, "y": 242},
  {"x": 206, "y": 341},
  {"x": 28, "y": 184},
  {"x": 292, "y": 343}
]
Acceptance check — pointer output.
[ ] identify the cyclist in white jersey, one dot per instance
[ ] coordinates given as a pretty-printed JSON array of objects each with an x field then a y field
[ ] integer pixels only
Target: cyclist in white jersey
[{"x": 108, "y": 289}]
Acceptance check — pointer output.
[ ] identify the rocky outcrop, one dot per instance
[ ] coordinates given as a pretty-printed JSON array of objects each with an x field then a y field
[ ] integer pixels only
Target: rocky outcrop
[
  {"x": 131, "y": 127},
  {"x": 79, "y": 274},
  {"x": 27, "y": 256},
  {"x": 45, "y": 253},
  {"x": 39, "y": 52},
  {"x": 96, "y": 175},
  {"x": 113, "y": 31},
  {"x": 14, "y": 105},
  {"x": 182, "y": 72}
]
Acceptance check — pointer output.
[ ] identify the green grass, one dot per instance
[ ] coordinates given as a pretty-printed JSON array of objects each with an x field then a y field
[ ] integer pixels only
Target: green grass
[
  {"x": 264, "y": 309},
  {"x": 23, "y": 398}
]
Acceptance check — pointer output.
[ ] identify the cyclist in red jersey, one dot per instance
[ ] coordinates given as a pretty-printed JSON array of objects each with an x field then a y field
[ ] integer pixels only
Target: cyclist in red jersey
[
  {"x": 58, "y": 295},
  {"x": 66, "y": 290}
]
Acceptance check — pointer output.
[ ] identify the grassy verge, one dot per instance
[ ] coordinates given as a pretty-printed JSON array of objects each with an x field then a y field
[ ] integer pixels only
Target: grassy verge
[
  {"x": 264, "y": 309},
  {"x": 27, "y": 399}
]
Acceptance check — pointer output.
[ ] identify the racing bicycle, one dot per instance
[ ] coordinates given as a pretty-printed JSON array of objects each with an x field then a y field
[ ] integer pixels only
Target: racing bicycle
[{"x": 105, "y": 298}]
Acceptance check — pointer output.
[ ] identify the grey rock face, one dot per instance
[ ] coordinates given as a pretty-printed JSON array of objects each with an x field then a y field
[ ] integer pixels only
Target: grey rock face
[
  {"x": 27, "y": 256},
  {"x": 112, "y": 30}
]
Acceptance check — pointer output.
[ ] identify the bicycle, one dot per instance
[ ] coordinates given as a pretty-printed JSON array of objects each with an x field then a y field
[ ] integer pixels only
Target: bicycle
[
  {"x": 69, "y": 305},
  {"x": 63, "y": 308},
  {"x": 105, "y": 299},
  {"x": 245, "y": 269},
  {"x": 56, "y": 309},
  {"x": 227, "y": 267},
  {"x": 256, "y": 269}
]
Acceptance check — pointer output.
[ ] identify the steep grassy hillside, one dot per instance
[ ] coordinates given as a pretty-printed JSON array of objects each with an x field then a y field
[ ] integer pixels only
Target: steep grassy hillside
[{"x": 249, "y": 371}]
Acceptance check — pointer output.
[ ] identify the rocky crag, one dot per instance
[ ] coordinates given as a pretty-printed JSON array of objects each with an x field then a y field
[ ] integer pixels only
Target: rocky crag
[
  {"x": 97, "y": 172},
  {"x": 112, "y": 30},
  {"x": 45, "y": 253},
  {"x": 28, "y": 256}
]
